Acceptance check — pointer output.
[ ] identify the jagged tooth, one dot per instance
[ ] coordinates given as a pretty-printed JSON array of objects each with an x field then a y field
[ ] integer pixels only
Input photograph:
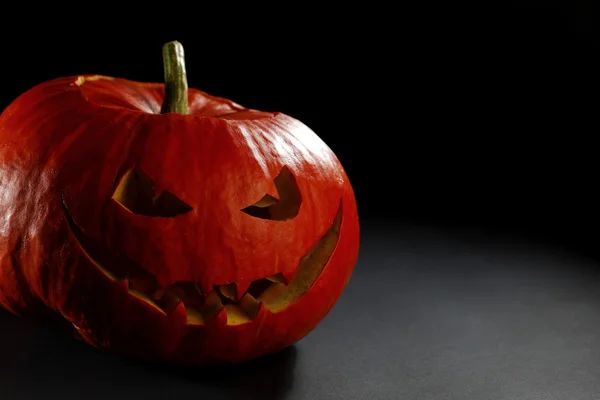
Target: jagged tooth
[
  {"x": 204, "y": 288},
  {"x": 213, "y": 300},
  {"x": 250, "y": 305},
  {"x": 287, "y": 277},
  {"x": 212, "y": 305},
  {"x": 229, "y": 291},
  {"x": 178, "y": 309},
  {"x": 242, "y": 288},
  {"x": 277, "y": 278},
  {"x": 220, "y": 319},
  {"x": 168, "y": 301},
  {"x": 194, "y": 316},
  {"x": 236, "y": 315},
  {"x": 263, "y": 312}
]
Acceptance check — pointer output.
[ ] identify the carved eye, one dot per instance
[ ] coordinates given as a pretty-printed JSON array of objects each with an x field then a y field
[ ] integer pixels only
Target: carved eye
[
  {"x": 135, "y": 192},
  {"x": 284, "y": 208}
]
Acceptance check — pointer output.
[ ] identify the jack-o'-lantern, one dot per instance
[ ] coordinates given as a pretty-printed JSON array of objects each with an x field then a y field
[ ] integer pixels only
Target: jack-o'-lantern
[{"x": 168, "y": 224}]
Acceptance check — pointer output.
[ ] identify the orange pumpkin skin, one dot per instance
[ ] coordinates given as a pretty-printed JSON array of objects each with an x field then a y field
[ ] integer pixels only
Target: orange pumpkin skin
[{"x": 71, "y": 247}]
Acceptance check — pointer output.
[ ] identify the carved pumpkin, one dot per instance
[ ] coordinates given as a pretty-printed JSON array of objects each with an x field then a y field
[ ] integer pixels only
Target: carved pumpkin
[{"x": 203, "y": 233}]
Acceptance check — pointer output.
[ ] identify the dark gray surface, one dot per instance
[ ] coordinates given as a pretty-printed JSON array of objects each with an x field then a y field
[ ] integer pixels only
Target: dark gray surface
[{"x": 428, "y": 315}]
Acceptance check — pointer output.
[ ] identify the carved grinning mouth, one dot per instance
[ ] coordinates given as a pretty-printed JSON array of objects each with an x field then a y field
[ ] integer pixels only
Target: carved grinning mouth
[{"x": 273, "y": 292}]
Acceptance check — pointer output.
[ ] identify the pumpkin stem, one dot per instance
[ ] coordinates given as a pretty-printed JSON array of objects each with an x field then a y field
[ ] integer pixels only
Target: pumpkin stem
[{"x": 176, "y": 86}]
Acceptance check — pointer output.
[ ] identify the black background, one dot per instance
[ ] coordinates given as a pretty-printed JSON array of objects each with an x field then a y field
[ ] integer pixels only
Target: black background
[
  {"x": 478, "y": 120},
  {"x": 469, "y": 116}
]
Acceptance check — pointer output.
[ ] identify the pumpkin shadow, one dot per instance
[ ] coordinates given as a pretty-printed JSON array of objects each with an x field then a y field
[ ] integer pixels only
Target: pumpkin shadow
[
  {"x": 38, "y": 361},
  {"x": 267, "y": 378}
]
